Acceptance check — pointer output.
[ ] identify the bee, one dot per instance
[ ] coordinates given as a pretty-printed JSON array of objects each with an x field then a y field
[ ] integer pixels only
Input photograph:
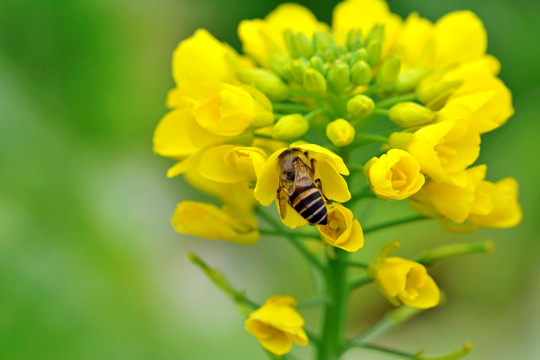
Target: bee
[{"x": 299, "y": 189}]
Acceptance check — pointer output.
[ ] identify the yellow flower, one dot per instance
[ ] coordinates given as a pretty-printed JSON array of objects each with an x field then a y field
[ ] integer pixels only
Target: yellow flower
[
  {"x": 342, "y": 230},
  {"x": 457, "y": 37},
  {"x": 363, "y": 15},
  {"x": 328, "y": 168},
  {"x": 489, "y": 101},
  {"x": 394, "y": 175},
  {"x": 228, "y": 110},
  {"x": 450, "y": 201},
  {"x": 263, "y": 38},
  {"x": 230, "y": 163},
  {"x": 208, "y": 221},
  {"x": 406, "y": 281},
  {"x": 496, "y": 204},
  {"x": 276, "y": 324},
  {"x": 402, "y": 280},
  {"x": 442, "y": 149},
  {"x": 199, "y": 59},
  {"x": 237, "y": 194}
]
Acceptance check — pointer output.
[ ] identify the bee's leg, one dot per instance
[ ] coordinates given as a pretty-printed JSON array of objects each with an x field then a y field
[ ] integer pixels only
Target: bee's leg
[
  {"x": 313, "y": 162},
  {"x": 318, "y": 183}
]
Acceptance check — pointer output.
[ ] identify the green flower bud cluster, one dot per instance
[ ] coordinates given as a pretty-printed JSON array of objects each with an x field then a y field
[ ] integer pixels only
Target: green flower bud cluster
[{"x": 320, "y": 64}]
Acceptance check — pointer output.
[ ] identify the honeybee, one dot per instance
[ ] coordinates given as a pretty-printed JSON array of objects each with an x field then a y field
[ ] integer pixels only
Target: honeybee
[{"x": 299, "y": 189}]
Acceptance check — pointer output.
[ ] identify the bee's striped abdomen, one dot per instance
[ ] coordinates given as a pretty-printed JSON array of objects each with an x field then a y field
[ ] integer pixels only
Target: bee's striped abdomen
[{"x": 308, "y": 202}]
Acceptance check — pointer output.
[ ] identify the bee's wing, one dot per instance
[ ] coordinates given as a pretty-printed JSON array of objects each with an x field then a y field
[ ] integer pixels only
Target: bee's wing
[{"x": 283, "y": 200}]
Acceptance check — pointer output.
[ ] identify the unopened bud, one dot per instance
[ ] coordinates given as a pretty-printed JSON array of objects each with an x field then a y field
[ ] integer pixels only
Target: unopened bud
[
  {"x": 374, "y": 52},
  {"x": 409, "y": 113},
  {"x": 361, "y": 73},
  {"x": 303, "y": 44},
  {"x": 276, "y": 63},
  {"x": 265, "y": 81},
  {"x": 400, "y": 140},
  {"x": 321, "y": 42},
  {"x": 340, "y": 132},
  {"x": 360, "y": 106},
  {"x": 329, "y": 55},
  {"x": 290, "y": 43},
  {"x": 290, "y": 127},
  {"x": 317, "y": 63},
  {"x": 434, "y": 93},
  {"x": 298, "y": 69},
  {"x": 358, "y": 55},
  {"x": 376, "y": 33},
  {"x": 354, "y": 39},
  {"x": 339, "y": 76},
  {"x": 314, "y": 81},
  {"x": 389, "y": 71},
  {"x": 409, "y": 79}
]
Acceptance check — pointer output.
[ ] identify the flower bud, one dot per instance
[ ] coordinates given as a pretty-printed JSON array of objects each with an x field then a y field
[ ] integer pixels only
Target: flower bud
[
  {"x": 321, "y": 42},
  {"x": 290, "y": 127},
  {"x": 276, "y": 64},
  {"x": 303, "y": 44},
  {"x": 375, "y": 34},
  {"x": 374, "y": 52},
  {"x": 389, "y": 71},
  {"x": 265, "y": 81},
  {"x": 409, "y": 79},
  {"x": 434, "y": 93},
  {"x": 360, "y": 106},
  {"x": 409, "y": 113},
  {"x": 317, "y": 63},
  {"x": 339, "y": 76},
  {"x": 290, "y": 43},
  {"x": 361, "y": 73},
  {"x": 360, "y": 54},
  {"x": 314, "y": 81},
  {"x": 340, "y": 132},
  {"x": 329, "y": 55},
  {"x": 298, "y": 69},
  {"x": 354, "y": 39}
]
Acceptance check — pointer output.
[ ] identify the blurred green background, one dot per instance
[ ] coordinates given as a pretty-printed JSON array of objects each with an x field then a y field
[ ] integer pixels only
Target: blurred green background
[{"x": 90, "y": 267}]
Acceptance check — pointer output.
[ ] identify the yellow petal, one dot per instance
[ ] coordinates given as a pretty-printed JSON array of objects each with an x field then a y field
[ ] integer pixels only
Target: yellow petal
[
  {"x": 506, "y": 210},
  {"x": 271, "y": 339},
  {"x": 292, "y": 218},
  {"x": 364, "y": 14},
  {"x": 414, "y": 43},
  {"x": 428, "y": 295},
  {"x": 171, "y": 137},
  {"x": 459, "y": 37},
  {"x": 268, "y": 180},
  {"x": 199, "y": 59}
]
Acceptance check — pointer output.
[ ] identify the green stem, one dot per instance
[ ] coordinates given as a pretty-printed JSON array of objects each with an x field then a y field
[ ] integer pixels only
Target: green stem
[
  {"x": 396, "y": 99},
  {"x": 363, "y": 280},
  {"x": 272, "y": 232},
  {"x": 388, "y": 322},
  {"x": 291, "y": 237},
  {"x": 331, "y": 346},
  {"x": 388, "y": 224},
  {"x": 362, "y": 139},
  {"x": 389, "y": 351},
  {"x": 263, "y": 136},
  {"x": 444, "y": 252},
  {"x": 359, "y": 264},
  {"x": 245, "y": 305},
  {"x": 291, "y": 108},
  {"x": 379, "y": 111},
  {"x": 458, "y": 354},
  {"x": 311, "y": 115},
  {"x": 316, "y": 301}
]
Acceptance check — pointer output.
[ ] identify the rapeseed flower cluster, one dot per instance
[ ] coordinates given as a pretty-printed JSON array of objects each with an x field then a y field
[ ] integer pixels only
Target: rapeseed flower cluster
[{"x": 426, "y": 91}]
